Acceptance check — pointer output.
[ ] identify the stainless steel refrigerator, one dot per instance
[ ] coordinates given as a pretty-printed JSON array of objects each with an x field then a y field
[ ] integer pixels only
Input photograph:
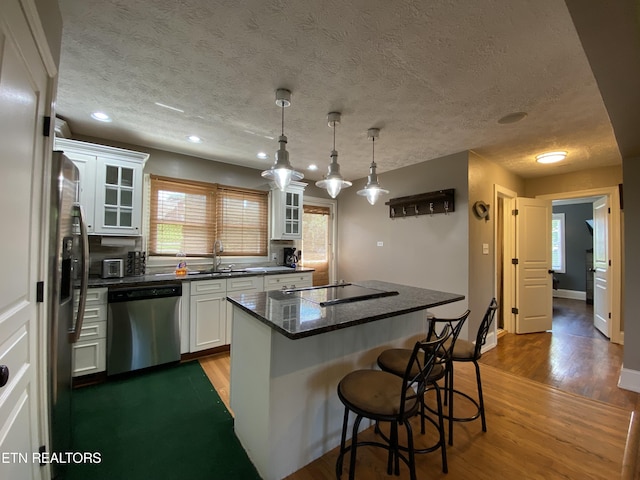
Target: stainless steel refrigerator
[{"x": 69, "y": 267}]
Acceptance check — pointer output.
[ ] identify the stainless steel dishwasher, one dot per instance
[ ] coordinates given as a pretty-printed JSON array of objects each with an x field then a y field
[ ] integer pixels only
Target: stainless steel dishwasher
[{"x": 143, "y": 327}]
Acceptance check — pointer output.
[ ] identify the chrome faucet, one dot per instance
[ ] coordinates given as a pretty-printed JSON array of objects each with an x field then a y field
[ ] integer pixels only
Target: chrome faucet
[{"x": 217, "y": 249}]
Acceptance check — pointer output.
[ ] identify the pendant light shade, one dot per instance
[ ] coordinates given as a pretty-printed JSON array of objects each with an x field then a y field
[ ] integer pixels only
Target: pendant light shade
[
  {"x": 333, "y": 181},
  {"x": 281, "y": 173},
  {"x": 372, "y": 189}
]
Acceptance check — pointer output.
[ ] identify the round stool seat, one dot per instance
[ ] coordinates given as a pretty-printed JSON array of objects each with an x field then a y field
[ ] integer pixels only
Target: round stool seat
[
  {"x": 463, "y": 350},
  {"x": 395, "y": 360},
  {"x": 375, "y": 393}
]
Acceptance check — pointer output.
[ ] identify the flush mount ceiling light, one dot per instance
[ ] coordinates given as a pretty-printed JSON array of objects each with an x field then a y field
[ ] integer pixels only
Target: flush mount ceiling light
[
  {"x": 194, "y": 139},
  {"x": 312, "y": 167},
  {"x": 512, "y": 118},
  {"x": 262, "y": 155},
  {"x": 333, "y": 181},
  {"x": 101, "y": 117},
  {"x": 551, "y": 157},
  {"x": 372, "y": 189},
  {"x": 282, "y": 172}
]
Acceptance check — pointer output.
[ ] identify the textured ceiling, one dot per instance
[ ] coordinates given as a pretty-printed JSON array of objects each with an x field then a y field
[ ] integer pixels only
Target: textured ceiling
[{"x": 434, "y": 76}]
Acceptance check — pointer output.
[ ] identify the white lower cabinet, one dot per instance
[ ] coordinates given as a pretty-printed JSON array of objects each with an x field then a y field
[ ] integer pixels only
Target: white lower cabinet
[
  {"x": 288, "y": 280},
  {"x": 89, "y": 353},
  {"x": 207, "y": 314}
]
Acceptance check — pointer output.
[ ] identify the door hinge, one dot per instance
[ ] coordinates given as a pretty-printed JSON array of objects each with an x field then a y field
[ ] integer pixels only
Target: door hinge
[
  {"x": 40, "y": 292},
  {"x": 609, "y": 210},
  {"x": 609, "y": 315},
  {"x": 42, "y": 450},
  {"x": 514, "y": 212},
  {"x": 514, "y": 261},
  {"x": 609, "y": 262},
  {"x": 46, "y": 126},
  {"x": 514, "y": 310}
]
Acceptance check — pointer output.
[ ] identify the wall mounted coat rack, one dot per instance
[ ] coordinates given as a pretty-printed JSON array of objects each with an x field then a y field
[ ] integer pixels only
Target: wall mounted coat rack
[{"x": 440, "y": 201}]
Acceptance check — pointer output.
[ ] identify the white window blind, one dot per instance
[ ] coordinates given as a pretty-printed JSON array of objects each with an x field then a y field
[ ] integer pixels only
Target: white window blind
[
  {"x": 242, "y": 221},
  {"x": 557, "y": 243},
  {"x": 188, "y": 216}
]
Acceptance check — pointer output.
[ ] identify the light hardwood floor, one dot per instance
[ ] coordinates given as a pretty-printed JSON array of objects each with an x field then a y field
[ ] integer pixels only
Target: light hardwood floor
[{"x": 543, "y": 426}]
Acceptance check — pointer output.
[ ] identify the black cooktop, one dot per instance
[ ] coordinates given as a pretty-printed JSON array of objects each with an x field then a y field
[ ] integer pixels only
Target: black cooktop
[{"x": 328, "y": 295}]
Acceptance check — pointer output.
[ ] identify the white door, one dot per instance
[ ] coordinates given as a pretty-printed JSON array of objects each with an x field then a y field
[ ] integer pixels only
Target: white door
[
  {"x": 23, "y": 93},
  {"x": 533, "y": 299},
  {"x": 601, "y": 290}
]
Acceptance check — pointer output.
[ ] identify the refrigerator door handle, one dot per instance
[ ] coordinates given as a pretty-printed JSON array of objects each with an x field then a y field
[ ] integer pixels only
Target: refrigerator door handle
[{"x": 74, "y": 334}]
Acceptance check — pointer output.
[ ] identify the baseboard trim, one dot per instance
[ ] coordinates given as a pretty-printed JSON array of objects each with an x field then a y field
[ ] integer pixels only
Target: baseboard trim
[
  {"x": 492, "y": 342},
  {"x": 629, "y": 379},
  {"x": 573, "y": 294}
]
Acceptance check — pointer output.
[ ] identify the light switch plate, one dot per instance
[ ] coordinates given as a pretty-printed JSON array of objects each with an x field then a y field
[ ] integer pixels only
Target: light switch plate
[
  {"x": 485, "y": 249},
  {"x": 380, "y": 244}
]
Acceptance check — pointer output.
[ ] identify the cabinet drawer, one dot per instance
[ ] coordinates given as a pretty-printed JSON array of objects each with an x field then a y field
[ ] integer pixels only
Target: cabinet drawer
[
  {"x": 89, "y": 357},
  {"x": 292, "y": 280},
  {"x": 244, "y": 284},
  {"x": 208, "y": 286},
  {"x": 95, "y": 296},
  {"x": 93, "y": 331},
  {"x": 93, "y": 313}
]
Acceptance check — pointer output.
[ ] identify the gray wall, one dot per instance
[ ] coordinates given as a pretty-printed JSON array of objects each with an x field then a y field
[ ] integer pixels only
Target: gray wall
[
  {"x": 577, "y": 241},
  {"x": 424, "y": 251}
]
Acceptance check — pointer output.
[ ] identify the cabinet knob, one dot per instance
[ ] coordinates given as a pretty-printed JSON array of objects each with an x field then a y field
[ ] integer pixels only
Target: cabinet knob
[{"x": 4, "y": 375}]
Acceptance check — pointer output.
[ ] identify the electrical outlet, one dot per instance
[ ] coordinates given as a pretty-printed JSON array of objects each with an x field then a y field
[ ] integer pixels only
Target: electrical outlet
[
  {"x": 274, "y": 257},
  {"x": 380, "y": 244}
]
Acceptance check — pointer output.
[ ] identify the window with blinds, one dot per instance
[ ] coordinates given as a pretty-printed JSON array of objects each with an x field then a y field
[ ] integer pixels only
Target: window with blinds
[
  {"x": 241, "y": 218},
  {"x": 188, "y": 216}
]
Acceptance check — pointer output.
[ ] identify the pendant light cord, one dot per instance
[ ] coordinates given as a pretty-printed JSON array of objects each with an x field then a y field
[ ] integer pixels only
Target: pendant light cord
[
  {"x": 334, "y": 135},
  {"x": 373, "y": 150},
  {"x": 282, "y": 134}
]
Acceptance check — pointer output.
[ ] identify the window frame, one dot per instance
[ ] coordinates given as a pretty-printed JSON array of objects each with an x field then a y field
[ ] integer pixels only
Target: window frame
[
  {"x": 215, "y": 195},
  {"x": 560, "y": 244}
]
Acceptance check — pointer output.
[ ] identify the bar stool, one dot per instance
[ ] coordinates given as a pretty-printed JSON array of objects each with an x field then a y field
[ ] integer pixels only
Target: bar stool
[
  {"x": 385, "y": 397},
  {"x": 466, "y": 351},
  {"x": 392, "y": 361}
]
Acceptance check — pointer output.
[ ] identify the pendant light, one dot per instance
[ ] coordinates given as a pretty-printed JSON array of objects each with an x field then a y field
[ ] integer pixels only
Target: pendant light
[
  {"x": 333, "y": 181},
  {"x": 372, "y": 189},
  {"x": 282, "y": 172}
]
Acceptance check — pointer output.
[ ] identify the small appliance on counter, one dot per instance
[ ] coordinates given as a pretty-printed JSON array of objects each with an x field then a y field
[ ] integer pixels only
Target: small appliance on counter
[
  {"x": 290, "y": 257},
  {"x": 112, "y": 268}
]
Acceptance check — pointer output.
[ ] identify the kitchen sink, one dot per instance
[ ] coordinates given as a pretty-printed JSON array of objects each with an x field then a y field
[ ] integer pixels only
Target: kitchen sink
[{"x": 270, "y": 269}]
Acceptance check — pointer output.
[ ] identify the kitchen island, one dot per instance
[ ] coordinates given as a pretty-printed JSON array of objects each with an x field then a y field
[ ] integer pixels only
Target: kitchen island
[{"x": 291, "y": 348}]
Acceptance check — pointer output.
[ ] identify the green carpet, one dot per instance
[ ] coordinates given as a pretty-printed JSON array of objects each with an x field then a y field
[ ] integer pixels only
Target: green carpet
[{"x": 164, "y": 424}]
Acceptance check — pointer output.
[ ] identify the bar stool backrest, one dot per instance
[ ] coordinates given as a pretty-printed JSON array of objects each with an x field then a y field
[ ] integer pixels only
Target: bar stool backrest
[
  {"x": 481, "y": 338},
  {"x": 424, "y": 356}
]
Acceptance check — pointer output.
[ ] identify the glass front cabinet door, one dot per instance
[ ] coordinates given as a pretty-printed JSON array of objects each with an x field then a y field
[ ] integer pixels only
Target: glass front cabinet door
[
  {"x": 118, "y": 197},
  {"x": 286, "y": 212}
]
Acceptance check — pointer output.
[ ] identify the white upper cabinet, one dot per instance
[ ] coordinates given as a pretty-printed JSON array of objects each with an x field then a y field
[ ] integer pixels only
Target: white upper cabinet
[
  {"x": 286, "y": 212},
  {"x": 110, "y": 186}
]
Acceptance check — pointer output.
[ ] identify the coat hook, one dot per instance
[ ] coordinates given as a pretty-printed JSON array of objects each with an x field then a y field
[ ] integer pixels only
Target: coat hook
[
  {"x": 404, "y": 211},
  {"x": 431, "y": 208},
  {"x": 446, "y": 207},
  {"x": 416, "y": 209},
  {"x": 393, "y": 212}
]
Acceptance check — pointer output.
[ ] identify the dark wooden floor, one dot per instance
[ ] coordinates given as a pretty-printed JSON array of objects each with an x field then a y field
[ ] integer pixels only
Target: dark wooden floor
[{"x": 574, "y": 357}]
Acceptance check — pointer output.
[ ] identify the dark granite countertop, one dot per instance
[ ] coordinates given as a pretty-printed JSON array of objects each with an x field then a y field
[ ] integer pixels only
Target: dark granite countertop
[
  {"x": 167, "y": 278},
  {"x": 296, "y": 317}
]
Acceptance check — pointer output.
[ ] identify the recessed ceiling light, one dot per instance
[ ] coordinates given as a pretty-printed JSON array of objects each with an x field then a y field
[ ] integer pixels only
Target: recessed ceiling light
[
  {"x": 512, "y": 117},
  {"x": 313, "y": 166},
  {"x": 551, "y": 157},
  {"x": 194, "y": 139},
  {"x": 262, "y": 155},
  {"x": 101, "y": 117}
]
